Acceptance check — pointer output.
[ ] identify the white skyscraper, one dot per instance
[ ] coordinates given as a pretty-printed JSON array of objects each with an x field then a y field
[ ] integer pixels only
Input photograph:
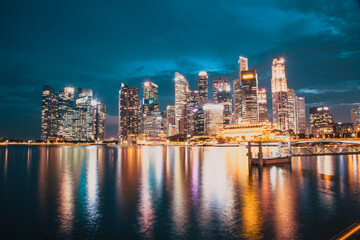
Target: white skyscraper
[{"x": 181, "y": 87}]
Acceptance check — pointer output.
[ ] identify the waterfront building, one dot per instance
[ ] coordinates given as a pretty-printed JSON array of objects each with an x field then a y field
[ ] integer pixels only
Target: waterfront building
[
  {"x": 343, "y": 130},
  {"x": 153, "y": 126},
  {"x": 99, "y": 117},
  {"x": 321, "y": 121},
  {"x": 223, "y": 96},
  {"x": 279, "y": 95},
  {"x": 66, "y": 114},
  {"x": 243, "y": 65},
  {"x": 150, "y": 103},
  {"x": 291, "y": 99},
  {"x": 129, "y": 112},
  {"x": 165, "y": 125},
  {"x": 248, "y": 131},
  {"x": 83, "y": 116},
  {"x": 213, "y": 118},
  {"x": 203, "y": 86},
  {"x": 199, "y": 122},
  {"x": 171, "y": 126},
  {"x": 192, "y": 97},
  {"x": 49, "y": 113},
  {"x": 181, "y": 87},
  {"x": 237, "y": 91},
  {"x": 263, "y": 111},
  {"x": 237, "y": 97},
  {"x": 355, "y": 117},
  {"x": 300, "y": 115},
  {"x": 217, "y": 84},
  {"x": 150, "y": 98},
  {"x": 249, "y": 86}
]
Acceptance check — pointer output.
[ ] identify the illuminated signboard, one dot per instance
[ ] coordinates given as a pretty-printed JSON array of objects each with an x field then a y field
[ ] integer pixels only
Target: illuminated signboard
[
  {"x": 149, "y": 101},
  {"x": 81, "y": 100},
  {"x": 248, "y": 76}
]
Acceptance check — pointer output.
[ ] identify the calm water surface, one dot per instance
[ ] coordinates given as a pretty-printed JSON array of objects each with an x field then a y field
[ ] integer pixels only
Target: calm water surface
[{"x": 98, "y": 192}]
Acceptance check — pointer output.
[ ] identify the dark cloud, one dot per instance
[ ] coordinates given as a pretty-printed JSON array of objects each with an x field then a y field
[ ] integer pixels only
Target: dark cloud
[{"x": 99, "y": 45}]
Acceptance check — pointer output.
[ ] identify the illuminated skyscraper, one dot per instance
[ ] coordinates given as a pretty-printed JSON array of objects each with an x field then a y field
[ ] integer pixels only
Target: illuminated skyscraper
[
  {"x": 321, "y": 120},
  {"x": 237, "y": 90},
  {"x": 129, "y": 112},
  {"x": 66, "y": 114},
  {"x": 49, "y": 113},
  {"x": 203, "y": 86},
  {"x": 218, "y": 81},
  {"x": 150, "y": 98},
  {"x": 181, "y": 87},
  {"x": 150, "y": 104},
  {"x": 300, "y": 115},
  {"x": 83, "y": 118},
  {"x": 213, "y": 118},
  {"x": 243, "y": 65},
  {"x": 199, "y": 122},
  {"x": 171, "y": 126},
  {"x": 355, "y": 117},
  {"x": 192, "y": 104},
  {"x": 237, "y": 100},
  {"x": 263, "y": 111},
  {"x": 279, "y": 94},
  {"x": 99, "y": 116},
  {"x": 223, "y": 96},
  {"x": 249, "y": 101},
  {"x": 291, "y": 110},
  {"x": 153, "y": 125}
]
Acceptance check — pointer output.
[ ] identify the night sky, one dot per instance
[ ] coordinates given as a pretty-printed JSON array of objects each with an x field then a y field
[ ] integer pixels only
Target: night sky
[{"x": 99, "y": 44}]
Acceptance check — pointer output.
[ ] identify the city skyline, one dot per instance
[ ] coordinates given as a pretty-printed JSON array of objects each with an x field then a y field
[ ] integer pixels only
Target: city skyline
[{"x": 319, "y": 43}]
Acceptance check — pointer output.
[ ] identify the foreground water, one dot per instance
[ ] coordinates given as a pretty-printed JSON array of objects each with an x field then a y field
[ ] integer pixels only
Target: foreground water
[{"x": 172, "y": 193}]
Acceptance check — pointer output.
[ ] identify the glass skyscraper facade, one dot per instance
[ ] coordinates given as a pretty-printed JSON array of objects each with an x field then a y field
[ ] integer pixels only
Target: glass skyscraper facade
[
  {"x": 203, "y": 87},
  {"x": 263, "y": 111},
  {"x": 129, "y": 112},
  {"x": 49, "y": 113},
  {"x": 82, "y": 120},
  {"x": 181, "y": 87},
  {"x": 249, "y": 101}
]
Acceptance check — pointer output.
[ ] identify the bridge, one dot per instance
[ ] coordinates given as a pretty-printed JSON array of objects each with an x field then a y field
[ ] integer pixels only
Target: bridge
[{"x": 286, "y": 150}]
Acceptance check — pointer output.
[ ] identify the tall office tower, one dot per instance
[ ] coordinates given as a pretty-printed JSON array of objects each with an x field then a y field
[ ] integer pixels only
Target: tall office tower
[
  {"x": 237, "y": 97},
  {"x": 66, "y": 114},
  {"x": 321, "y": 120},
  {"x": 223, "y": 96},
  {"x": 213, "y": 118},
  {"x": 150, "y": 103},
  {"x": 355, "y": 117},
  {"x": 291, "y": 100},
  {"x": 150, "y": 98},
  {"x": 49, "y": 113},
  {"x": 243, "y": 65},
  {"x": 203, "y": 86},
  {"x": 263, "y": 110},
  {"x": 279, "y": 94},
  {"x": 99, "y": 116},
  {"x": 300, "y": 115},
  {"x": 249, "y": 88},
  {"x": 192, "y": 97},
  {"x": 181, "y": 87},
  {"x": 165, "y": 124},
  {"x": 237, "y": 91},
  {"x": 218, "y": 81},
  {"x": 199, "y": 124},
  {"x": 129, "y": 112},
  {"x": 171, "y": 126},
  {"x": 153, "y": 125},
  {"x": 83, "y": 117}
]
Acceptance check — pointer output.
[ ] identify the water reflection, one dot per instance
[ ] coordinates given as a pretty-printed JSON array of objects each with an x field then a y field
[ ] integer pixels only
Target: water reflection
[{"x": 177, "y": 192}]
